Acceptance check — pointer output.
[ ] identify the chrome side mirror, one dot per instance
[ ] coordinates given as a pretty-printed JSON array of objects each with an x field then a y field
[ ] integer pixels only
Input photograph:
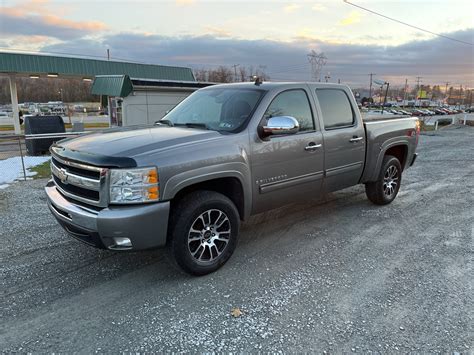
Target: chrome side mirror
[{"x": 281, "y": 125}]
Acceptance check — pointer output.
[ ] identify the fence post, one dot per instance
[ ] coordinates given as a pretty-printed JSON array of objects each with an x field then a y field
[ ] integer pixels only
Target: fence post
[{"x": 21, "y": 155}]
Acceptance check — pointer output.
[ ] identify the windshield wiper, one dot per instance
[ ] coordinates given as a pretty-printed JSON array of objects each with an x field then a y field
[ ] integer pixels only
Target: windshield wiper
[
  {"x": 193, "y": 125},
  {"x": 167, "y": 122}
]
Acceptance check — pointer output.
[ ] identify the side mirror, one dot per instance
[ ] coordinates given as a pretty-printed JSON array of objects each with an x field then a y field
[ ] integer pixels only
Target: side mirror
[{"x": 280, "y": 125}]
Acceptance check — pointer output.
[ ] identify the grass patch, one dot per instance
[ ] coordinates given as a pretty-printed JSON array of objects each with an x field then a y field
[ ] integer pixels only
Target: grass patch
[
  {"x": 91, "y": 125},
  {"x": 8, "y": 128},
  {"x": 42, "y": 170},
  {"x": 67, "y": 125}
]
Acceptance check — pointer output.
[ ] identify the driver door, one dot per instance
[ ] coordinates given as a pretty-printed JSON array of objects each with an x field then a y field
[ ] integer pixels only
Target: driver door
[{"x": 288, "y": 168}]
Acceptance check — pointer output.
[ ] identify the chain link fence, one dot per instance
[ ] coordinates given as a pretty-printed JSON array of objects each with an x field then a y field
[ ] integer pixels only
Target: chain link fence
[{"x": 24, "y": 156}]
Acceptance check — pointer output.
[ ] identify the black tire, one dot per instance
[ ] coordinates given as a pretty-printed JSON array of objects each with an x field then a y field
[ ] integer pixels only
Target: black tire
[
  {"x": 385, "y": 189},
  {"x": 192, "y": 213}
]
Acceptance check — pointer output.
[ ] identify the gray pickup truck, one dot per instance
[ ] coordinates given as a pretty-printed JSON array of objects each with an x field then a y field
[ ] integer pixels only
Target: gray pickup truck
[{"x": 223, "y": 154}]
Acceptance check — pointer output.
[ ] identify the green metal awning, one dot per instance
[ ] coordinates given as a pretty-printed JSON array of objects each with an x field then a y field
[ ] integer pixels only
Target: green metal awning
[
  {"x": 123, "y": 85},
  {"x": 112, "y": 85},
  {"x": 36, "y": 64}
]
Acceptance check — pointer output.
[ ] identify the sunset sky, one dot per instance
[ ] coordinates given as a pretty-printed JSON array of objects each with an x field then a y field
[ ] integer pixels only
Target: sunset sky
[{"x": 275, "y": 34}]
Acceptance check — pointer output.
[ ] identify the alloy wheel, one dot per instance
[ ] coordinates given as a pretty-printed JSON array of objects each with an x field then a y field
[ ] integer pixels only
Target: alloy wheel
[
  {"x": 209, "y": 235},
  {"x": 390, "y": 181}
]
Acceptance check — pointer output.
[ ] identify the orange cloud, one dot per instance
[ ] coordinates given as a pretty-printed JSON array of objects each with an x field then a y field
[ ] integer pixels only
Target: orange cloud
[
  {"x": 185, "y": 2},
  {"x": 352, "y": 18},
  {"x": 85, "y": 25},
  {"x": 220, "y": 32},
  {"x": 39, "y": 10},
  {"x": 291, "y": 8}
]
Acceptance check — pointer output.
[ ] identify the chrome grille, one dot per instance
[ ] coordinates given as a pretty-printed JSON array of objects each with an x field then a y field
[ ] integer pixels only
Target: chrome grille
[{"x": 81, "y": 182}]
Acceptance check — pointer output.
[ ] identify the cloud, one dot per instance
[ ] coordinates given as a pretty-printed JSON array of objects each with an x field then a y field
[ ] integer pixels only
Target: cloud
[
  {"x": 352, "y": 18},
  {"x": 218, "y": 32},
  {"x": 437, "y": 59},
  {"x": 184, "y": 2},
  {"x": 291, "y": 8},
  {"x": 35, "y": 19},
  {"x": 318, "y": 7}
]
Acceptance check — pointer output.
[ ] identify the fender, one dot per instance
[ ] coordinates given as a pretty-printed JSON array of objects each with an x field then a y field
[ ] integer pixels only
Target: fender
[
  {"x": 383, "y": 149},
  {"x": 191, "y": 177}
]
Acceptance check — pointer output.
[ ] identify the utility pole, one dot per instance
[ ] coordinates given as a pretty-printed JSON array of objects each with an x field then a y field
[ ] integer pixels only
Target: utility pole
[
  {"x": 405, "y": 92},
  {"x": 446, "y": 90},
  {"x": 460, "y": 95},
  {"x": 108, "y": 54},
  {"x": 418, "y": 80},
  {"x": 338, "y": 81},
  {"x": 370, "y": 88},
  {"x": 317, "y": 60},
  {"x": 235, "y": 71}
]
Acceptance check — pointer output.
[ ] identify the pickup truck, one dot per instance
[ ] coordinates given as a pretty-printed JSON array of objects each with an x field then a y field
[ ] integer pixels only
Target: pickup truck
[{"x": 223, "y": 154}]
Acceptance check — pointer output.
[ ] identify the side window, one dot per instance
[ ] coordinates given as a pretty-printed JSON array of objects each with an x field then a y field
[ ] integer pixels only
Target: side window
[
  {"x": 292, "y": 103},
  {"x": 335, "y": 107}
]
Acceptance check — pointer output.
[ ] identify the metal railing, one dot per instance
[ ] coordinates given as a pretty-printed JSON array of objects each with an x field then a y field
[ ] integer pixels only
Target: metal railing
[{"x": 15, "y": 157}]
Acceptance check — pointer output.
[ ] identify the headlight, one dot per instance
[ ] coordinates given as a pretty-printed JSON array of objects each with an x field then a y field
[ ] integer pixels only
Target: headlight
[{"x": 134, "y": 185}]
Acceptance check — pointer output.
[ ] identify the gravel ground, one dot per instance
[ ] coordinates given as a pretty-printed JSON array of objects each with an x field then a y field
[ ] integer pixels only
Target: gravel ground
[{"x": 338, "y": 275}]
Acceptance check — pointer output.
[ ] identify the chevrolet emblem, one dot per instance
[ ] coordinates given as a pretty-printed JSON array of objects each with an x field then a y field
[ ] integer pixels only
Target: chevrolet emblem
[{"x": 62, "y": 175}]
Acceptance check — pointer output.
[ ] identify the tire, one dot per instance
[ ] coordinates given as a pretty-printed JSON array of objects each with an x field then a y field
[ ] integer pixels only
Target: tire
[
  {"x": 385, "y": 189},
  {"x": 204, "y": 231}
]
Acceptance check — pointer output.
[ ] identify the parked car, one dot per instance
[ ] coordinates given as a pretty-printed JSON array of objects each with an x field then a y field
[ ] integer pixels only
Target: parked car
[
  {"x": 440, "y": 112},
  {"x": 417, "y": 112},
  {"x": 223, "y": 154}
]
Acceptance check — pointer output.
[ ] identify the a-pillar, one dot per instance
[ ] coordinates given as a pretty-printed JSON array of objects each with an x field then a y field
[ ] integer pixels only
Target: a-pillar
[{"x": 14, "y": 96}]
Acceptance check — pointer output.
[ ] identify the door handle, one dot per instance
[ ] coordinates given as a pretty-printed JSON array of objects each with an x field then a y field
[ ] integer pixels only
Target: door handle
[
  {"x": 355, "y": 139},
  {"x": 312, "y": 146}
]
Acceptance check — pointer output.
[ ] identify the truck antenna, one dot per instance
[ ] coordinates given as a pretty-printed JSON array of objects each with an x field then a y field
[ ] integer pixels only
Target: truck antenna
[{"x": 258, "y": 80}]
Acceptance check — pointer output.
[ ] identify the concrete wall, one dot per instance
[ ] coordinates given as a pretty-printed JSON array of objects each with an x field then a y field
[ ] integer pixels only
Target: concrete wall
[{"x": 145, "y": 107}]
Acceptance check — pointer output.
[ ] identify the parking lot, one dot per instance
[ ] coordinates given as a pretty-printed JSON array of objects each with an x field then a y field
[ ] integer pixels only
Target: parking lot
[{"x": 338, "y": 275}]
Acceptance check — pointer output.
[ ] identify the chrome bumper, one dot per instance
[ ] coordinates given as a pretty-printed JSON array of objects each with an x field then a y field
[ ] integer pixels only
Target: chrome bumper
[{"x": 145, "y": 226}]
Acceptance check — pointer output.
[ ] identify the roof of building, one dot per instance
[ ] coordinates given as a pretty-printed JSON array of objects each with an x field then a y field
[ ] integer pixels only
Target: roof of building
[
  {"x": 38, "y": 64},
  {"x": 123, "y": 85}
]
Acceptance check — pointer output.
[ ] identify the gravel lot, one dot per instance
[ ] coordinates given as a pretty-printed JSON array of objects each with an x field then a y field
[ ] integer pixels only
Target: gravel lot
[{"x": 338, "y": 275}]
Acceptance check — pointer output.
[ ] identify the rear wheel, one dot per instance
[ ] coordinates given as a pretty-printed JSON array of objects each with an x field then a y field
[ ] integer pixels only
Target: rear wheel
[
  {"x": 204, "y": 230},
  {"x": 385, "y": 189}
]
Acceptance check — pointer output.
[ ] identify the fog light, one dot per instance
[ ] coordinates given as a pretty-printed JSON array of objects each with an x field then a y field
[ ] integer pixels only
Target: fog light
[{"x": 122, "y": 242}]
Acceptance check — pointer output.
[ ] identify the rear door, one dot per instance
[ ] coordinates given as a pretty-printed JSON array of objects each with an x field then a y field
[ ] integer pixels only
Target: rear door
[
  {"x": 344, "y": 138},
  {"x": 288, "y": 168}
]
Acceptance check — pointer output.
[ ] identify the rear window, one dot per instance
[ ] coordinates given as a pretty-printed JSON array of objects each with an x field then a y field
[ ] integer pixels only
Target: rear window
[{"x": 336, "y": 108}]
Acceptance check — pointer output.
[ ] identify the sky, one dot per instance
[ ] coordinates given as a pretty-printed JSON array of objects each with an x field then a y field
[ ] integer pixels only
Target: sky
[{"x": 275, "y": 35}]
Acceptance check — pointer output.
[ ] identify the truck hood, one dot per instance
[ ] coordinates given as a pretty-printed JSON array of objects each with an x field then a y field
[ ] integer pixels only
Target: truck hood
[{"x": 129, "y": 142}]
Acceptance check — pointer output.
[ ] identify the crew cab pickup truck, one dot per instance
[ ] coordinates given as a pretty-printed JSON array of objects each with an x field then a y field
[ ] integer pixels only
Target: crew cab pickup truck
[{"x": 223, "y": 154}]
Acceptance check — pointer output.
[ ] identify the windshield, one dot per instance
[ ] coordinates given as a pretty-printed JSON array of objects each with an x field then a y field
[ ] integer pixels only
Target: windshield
[{"x": 219, "y": 109}]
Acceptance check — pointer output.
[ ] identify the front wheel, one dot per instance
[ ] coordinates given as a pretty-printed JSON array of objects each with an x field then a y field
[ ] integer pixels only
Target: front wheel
[
  {"x": 204, "y": 230},
  {"x": 385, "y": 189}
]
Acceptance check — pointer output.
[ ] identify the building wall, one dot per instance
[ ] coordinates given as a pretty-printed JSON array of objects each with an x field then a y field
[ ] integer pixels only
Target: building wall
[{"x": 147, "y": 107}]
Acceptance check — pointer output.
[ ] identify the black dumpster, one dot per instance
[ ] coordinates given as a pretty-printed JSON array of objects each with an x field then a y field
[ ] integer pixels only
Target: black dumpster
[{"x": 41, "y": 125}]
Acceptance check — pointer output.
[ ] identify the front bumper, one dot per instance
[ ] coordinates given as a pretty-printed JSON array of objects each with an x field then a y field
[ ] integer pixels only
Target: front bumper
[{"x": 145, "y": 226}]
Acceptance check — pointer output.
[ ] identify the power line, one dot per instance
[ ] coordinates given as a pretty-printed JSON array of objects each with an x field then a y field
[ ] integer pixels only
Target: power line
[{"x": 407, "y": 24}]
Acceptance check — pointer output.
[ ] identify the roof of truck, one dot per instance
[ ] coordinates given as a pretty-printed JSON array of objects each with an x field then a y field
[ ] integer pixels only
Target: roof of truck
[{"x": 269, "y": 85}]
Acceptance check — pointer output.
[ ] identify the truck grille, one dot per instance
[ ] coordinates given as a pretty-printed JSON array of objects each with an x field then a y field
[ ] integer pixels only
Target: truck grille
[{"x": 81, "y": 182}]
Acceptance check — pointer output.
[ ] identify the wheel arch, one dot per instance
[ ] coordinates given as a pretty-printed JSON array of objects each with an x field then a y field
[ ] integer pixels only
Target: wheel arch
[
  {"x": 399, "y": 149},
  {"x": 229, "y": 184}
]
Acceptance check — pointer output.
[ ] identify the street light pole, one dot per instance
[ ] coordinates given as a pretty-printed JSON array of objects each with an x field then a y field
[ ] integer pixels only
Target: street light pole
[{"x": 370, "y": 89}]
